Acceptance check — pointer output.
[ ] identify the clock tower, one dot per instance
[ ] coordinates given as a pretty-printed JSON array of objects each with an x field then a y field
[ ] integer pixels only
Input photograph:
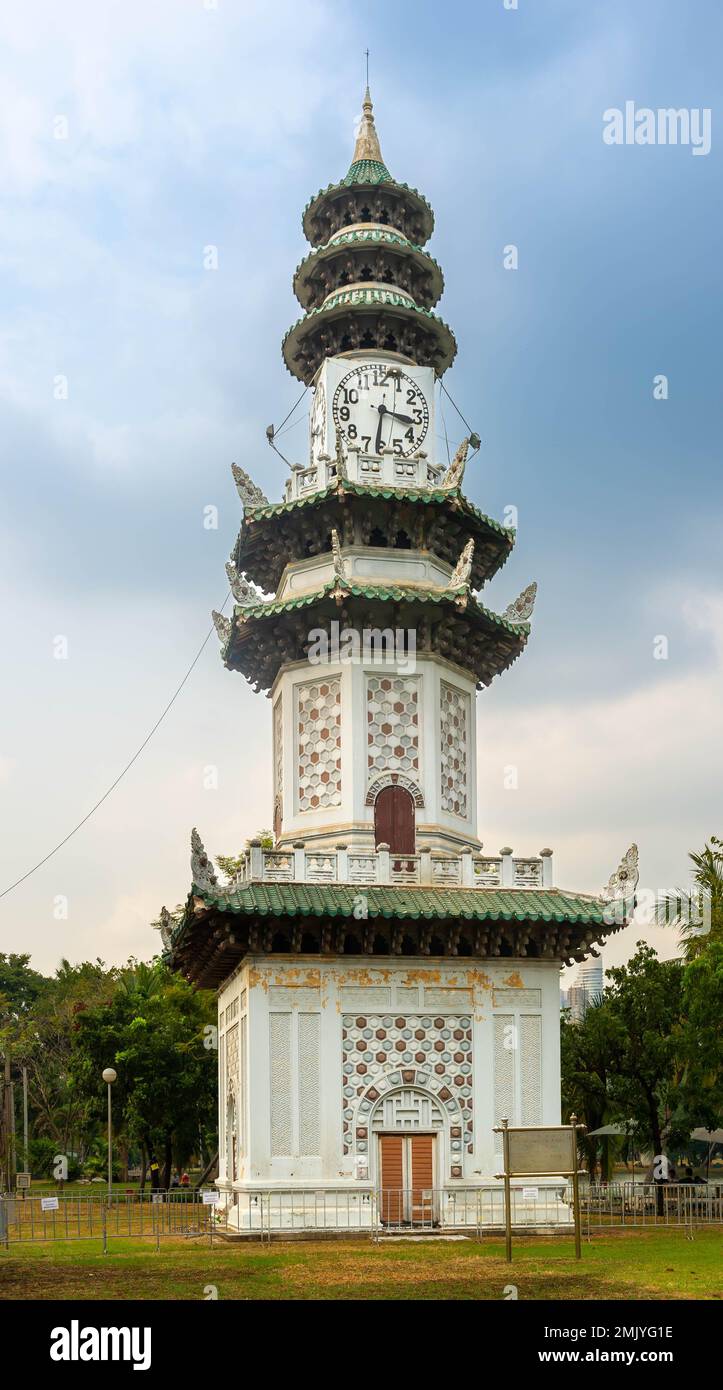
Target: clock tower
[{"x": 388, "y": 987}]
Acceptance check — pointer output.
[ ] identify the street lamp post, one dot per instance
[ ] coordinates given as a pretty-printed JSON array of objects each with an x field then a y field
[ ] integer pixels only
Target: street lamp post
[{"x": 109, "y": 1076}]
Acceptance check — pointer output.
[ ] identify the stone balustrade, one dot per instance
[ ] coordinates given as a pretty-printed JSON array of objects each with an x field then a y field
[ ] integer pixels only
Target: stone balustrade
[
  {"x": 378, "y": 470},
  {"x": 429, "y": 868}
]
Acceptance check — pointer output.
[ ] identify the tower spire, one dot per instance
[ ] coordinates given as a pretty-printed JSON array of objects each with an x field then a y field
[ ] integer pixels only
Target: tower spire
[{"x": 367, "y": 140}]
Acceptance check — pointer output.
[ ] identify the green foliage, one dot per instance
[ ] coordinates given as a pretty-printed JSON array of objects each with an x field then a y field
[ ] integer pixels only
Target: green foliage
[
  {"x": 644, "y": 1004},
  {"x": 706, "y": 902},
  {"x": 155, "y": 1031},
  {"x": 231, "y": 864}
]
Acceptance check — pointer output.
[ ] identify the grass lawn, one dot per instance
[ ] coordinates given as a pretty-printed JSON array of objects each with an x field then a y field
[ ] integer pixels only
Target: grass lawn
[{"x": 628, "y": 1265}]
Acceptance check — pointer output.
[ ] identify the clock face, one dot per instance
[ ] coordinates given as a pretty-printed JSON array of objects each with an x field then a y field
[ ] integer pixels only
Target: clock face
[
  {"x": 317, "y": 422},
  {"x": 377, "y": 406}
]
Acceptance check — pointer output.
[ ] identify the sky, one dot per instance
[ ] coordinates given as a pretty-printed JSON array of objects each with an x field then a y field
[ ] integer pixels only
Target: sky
[{"x": 134, "y": 136}]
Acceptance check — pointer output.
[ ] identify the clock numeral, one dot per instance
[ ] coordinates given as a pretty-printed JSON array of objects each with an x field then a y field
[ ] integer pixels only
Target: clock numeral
[{"x": 366, "y": 440}]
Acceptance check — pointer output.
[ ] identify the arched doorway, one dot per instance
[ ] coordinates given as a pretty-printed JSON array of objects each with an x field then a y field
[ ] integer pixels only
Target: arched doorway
[
  {"x": 394, "y": 820},
  {"x": 408, "y": 1125}
]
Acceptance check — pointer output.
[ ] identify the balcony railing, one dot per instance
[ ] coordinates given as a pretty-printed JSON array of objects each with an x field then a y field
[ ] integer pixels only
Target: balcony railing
[
  {"x": 428, "y": 868},
  {"x": 378, "y": 470}
]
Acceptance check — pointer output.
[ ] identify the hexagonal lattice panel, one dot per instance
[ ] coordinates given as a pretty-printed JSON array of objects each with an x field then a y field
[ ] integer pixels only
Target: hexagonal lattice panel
[
  {"x": 454, "y": 749},
  {"x": 393, "y": 725},
  {"x": 319, "y": 744},
  {"x": 430, "y": 1051}
]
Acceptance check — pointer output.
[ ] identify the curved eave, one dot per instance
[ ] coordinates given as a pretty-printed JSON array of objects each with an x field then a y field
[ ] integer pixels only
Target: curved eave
[
  {"x": 430, "y": 495},
  {"x": 222, "y": 925},
  {"x": 390, "y": 302},
  {"x": 398, "y": 593},
  {"x": 379, "y": 240},
  {"x": 267, "y": 636},
  {"x": 549, "y": 905},
  {"x": 411, "y": 196},
  {"x": 269, "y": 536}
]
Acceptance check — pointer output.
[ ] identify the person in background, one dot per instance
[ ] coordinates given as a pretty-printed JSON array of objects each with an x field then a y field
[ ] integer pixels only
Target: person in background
[{"x": 184, "y": 1180}]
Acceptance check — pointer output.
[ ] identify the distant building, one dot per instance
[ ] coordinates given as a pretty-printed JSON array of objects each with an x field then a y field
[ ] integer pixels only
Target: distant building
[{"x": 588, "y": 986}]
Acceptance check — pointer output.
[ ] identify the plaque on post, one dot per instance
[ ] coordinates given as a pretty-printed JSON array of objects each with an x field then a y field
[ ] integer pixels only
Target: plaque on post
[{"x": 540, "y": 1151}]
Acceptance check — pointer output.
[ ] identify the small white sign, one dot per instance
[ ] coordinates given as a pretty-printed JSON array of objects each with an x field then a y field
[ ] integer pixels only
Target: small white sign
[
  {"x": 22, "y": 1180},
  {"x": 530, "y": 1194},
  {"x": 210, "y": 1199},
  {"x": 157, "y": 1198},
  {"x": 49, "y": 1204},
  {"x": 361, "y": 1168}
]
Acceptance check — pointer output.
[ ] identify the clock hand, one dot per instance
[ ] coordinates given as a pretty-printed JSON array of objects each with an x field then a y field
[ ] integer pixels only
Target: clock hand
[
  {"x": 382, "y": 412},
  {"x": 405, "y": 419}
]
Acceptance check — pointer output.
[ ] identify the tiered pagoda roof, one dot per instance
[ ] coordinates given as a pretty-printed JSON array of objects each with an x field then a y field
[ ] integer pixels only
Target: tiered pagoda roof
[{"x": 368, "y": 283}]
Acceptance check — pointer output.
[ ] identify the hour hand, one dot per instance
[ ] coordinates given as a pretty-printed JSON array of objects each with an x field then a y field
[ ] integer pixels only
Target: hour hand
[{"x": 405, "y": 419}]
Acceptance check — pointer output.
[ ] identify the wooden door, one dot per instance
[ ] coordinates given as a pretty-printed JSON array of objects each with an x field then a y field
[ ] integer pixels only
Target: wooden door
[
  {"x": 422, "y": 1179},
  {"x": 406, "y": 1182},
  {"x": 394, "y": 820},
  {"x": 391, "y": 1185}
]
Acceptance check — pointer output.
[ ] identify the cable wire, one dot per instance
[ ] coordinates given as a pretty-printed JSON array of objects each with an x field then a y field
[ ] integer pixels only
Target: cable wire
[
  {"x": 459, "y": 412},
  {"x": 121, "y": 774}
]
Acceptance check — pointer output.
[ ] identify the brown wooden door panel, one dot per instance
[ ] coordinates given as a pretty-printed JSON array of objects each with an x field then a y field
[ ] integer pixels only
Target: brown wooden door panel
[
  {"x": 422, "y": 1166},
  {"x": 394, "y": 820},
  {"x": 391, "y": 1149}
]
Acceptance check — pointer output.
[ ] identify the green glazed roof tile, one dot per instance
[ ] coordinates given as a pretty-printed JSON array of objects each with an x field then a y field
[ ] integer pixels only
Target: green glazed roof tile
[
  {"x": 383, "y": 592},
  {"x": 338, "y": 900},
  {"x": 424, "y": 495},
  {"x": 367, "y": 171}
]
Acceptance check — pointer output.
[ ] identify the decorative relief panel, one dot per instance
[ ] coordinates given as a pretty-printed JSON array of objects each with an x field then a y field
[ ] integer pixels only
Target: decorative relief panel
[
  {"x": 383, "y": 1052},
  {"x": 280, "y": 1084},
  {"x": 504, "y": 1072},
  {"x": 295, "y": 996},
  {"x": 278, "y": 751},
  {"x": 308, "y": 1055},
  {"x": 438, "y": 998},
  {"x": 319, "y": 744},
  {"x": 232, "y": 1059},
  {"x": 365, "y": 997},
  {"x": 530, "y": 1026},
  {"x": 393, "y": 725},
  {"x": 516, "y": 998},
  {"x": 454, "y": 749}
]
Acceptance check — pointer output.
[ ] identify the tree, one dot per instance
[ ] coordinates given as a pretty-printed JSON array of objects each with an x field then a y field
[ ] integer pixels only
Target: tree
[
  {"x": 701, "y": 1098},
  {"x": 40, "y": 1033},
  {"x": 155, "y": 1031},
  {"x": 586, "y": 1049},
  {"x": 698, "y": 915},
  {"x": 644, "y": 1005},
  {"x": 231, "y": 864}
]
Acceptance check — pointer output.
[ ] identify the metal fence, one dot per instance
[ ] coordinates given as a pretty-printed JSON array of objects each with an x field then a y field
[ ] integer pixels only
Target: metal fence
[
  {"x": 26, "y": 1218},
  {"x": 473, "y": 1211},
  {"x": 409, "y": 1210},
  {"x": 637, "y": 1204}
]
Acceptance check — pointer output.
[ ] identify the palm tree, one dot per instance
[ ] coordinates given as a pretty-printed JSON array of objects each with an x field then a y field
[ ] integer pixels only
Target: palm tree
[{"x": 698, "y": 914}]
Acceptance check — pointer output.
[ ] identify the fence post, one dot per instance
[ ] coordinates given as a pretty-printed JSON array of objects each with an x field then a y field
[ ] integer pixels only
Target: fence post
[{"x": 104, "y": 1224}]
